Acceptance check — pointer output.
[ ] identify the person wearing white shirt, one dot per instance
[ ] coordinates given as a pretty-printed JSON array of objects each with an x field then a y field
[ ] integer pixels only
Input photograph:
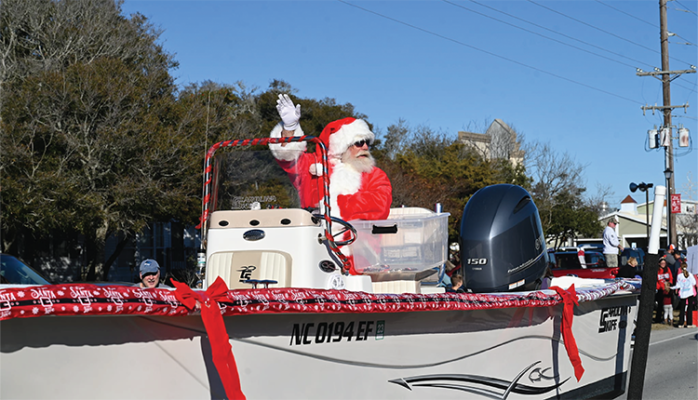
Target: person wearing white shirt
[
  {"x": 686, "y": 283},
  {"x": 611, "y": 244}
]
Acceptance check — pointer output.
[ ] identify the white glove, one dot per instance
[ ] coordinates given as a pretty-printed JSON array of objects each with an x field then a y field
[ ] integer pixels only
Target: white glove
[
  {"x": 315, "y": 169},
  {"x": 289, "y": 114}
]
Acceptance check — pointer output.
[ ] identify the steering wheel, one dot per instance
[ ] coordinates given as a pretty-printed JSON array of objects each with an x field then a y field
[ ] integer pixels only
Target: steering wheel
[{"x": 346, "y": 227}]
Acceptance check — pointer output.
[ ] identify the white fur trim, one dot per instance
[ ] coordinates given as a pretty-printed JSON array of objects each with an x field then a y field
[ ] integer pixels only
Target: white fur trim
[
  {"x": 347, "y": 135},
  {"x": 344, "y": 180},
  {"x": 289, "y": 152}
]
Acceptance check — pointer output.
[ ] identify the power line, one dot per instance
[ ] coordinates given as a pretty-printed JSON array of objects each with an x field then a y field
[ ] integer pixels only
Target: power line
[
  {"x": 686, "y": 43},
  {"x": 487, "y": 52},
  {"x": 549, "y": 38},
  {"x": 550, "y": 30},
  {"x": 602, "y": 30},
  {"x": 647, "y": 22},
  {"x": 687, "y": 11},
  {"x": 623, "y": 12},
  {"x": 691, "y": 89},
  {"x": 686, "y": 8}
]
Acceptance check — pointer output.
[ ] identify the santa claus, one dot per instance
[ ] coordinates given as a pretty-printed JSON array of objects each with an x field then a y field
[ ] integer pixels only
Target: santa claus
[{"x": 358, "y": 189}]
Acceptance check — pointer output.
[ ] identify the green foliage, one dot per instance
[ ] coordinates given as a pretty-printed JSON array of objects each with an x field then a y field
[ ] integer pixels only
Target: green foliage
[
  {"x": 572, "y": 218},
  {"x": 98, "y": 141},
  {"x": 427, "y": 168},
  {"x": 90, "y": 136}
]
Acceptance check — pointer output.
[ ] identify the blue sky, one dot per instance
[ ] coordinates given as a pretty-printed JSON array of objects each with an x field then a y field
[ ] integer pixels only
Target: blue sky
[{"x": 455, "y": 65}]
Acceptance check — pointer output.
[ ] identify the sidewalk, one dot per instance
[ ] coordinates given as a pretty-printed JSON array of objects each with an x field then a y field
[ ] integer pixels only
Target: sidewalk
[{"x": 675, "y": 323}]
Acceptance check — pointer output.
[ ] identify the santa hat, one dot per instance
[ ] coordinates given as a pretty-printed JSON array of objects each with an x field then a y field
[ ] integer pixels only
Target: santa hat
[{"x": 339, "y": 135}]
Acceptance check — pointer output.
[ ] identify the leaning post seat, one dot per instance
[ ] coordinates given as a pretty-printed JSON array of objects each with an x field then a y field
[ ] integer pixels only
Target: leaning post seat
[{"x": 274, "y": 244}]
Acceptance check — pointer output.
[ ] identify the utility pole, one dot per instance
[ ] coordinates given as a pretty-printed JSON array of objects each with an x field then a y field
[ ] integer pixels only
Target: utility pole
[
  {"x": 666, "y": 109},
  {"x": 669, "y": 150}
]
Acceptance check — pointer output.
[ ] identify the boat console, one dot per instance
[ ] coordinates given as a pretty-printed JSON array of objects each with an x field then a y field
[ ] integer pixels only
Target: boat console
[
  {"x": 254, "y": 230},
  {"x": 287, "y": 246}
]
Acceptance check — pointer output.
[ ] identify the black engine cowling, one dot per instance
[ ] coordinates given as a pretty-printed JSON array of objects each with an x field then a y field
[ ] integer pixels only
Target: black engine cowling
[{"x": 502, "y": 245}]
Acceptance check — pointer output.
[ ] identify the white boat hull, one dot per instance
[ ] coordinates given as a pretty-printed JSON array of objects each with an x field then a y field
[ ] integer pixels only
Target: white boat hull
[{"x": 514, "y": 353}]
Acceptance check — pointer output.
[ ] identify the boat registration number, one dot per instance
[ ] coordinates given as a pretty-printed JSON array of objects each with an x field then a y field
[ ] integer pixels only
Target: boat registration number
[{"x": 334, "y": 332}]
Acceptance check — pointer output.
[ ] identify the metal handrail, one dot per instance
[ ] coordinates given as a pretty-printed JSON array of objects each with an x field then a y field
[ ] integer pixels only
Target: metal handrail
[{"x": 208, "y": 181}]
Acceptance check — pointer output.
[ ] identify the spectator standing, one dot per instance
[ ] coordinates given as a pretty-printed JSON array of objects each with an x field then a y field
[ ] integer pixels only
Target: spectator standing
[
  {"x": 679, "y": 260},
  {"x": 664, "y": 279},
  {"x": 668, "y": 306},
  {"x": 686, "y": 284},
  {"x": 671, "y": 262},
  {"x": 611, "y": 244},
  {"x": 629, "y": 270}
]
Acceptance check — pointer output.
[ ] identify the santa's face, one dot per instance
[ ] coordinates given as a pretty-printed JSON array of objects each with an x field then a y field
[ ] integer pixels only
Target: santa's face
[
  {"x": 359, "y": 157},
  {"x": 150, "y": 280}
]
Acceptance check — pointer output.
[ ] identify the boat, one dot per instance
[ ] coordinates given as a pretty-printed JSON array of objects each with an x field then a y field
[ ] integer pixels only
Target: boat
[{"x": 277, "y": 315}]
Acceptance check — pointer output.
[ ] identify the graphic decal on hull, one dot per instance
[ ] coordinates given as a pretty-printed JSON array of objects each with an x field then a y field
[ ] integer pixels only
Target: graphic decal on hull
[
  {"x": 612, "y": 318},
  {"x": 458, "y": 382}
]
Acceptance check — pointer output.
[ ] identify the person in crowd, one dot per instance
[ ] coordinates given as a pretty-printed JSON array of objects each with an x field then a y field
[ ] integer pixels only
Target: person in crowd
[
  {"x": 456, "y": 285},
  {"x": 677, "y": 265},
  {"x": 664, "y": 279},
  {"x": 629, "y": 270},
  {"x": 671, "y": 262},
  {"x": 150, "y": 275},
  {"x": 611, "y": 244},
  {"x": 668, "y": 305},
  {"x": 686, "y": 285},
  {"x": 358, "y": 189}
]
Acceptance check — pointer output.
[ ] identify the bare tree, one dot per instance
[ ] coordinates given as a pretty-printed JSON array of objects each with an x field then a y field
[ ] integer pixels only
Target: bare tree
[
  {"x": 45, "y": 35},
  {"x": 395, "y": 138},
  {"x": 558, "y": 191},
  {"x": 90, "y": 135},
  {"x": 598, "y": 201}
]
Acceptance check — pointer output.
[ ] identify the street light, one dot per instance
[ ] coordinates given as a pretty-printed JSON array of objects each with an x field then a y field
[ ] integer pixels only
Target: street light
[
  {"x": 644, "y": 187},
  {"x": 667, "y": 175}
]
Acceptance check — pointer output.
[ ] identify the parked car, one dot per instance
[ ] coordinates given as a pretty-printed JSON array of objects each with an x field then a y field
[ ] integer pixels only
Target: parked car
[
  {"x": 567, "y": 262},
  {"x": 14, "y": 271}
]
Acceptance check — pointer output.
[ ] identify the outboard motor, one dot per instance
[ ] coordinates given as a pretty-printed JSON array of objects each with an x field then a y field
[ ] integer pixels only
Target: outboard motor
[{"x": 501, "y": 241}]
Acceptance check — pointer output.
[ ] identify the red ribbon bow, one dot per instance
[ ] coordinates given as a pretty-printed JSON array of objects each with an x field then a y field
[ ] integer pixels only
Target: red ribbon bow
[
  {"x": 569, "y": 299},
  {"x": 221, "y": 349}
]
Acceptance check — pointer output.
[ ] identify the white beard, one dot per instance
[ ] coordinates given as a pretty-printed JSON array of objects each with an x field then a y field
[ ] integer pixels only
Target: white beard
[{"x": 360, "y": 164}]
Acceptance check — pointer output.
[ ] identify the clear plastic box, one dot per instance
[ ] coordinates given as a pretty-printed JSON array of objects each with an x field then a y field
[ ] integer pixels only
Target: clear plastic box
[{"x": 407, "y": 244}]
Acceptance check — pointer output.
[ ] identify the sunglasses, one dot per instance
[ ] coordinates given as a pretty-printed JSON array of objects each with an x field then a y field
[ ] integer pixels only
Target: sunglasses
[{"x": 362, "y": 142}]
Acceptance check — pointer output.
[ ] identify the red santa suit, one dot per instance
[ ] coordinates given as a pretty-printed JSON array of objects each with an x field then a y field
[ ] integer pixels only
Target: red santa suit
[{"x": 353, "y": 194}]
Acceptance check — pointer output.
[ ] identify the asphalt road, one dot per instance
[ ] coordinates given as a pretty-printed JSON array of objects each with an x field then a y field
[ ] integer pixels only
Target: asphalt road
[{"x": 672, "y": 364}]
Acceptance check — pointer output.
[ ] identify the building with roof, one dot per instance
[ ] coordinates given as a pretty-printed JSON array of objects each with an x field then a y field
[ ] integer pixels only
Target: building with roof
[
  {"x": 498, "y": 142},
  {"x": 633, "y": 224}
]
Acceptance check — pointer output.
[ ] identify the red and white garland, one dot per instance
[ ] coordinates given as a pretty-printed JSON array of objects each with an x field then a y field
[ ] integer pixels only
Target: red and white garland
[{"x": 88, "y": 299}]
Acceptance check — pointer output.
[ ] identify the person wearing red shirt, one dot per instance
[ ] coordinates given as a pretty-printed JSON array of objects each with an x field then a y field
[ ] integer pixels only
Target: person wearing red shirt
[{"x": 664, "y": 281}]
